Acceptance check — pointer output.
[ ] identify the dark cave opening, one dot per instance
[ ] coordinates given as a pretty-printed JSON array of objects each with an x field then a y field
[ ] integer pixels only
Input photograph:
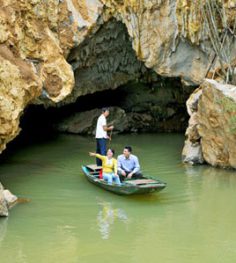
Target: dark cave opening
[
  {"x": 37, "y": 121},
  {"x": 108, "y": 73},
  {"x": 165, "y": 104}
]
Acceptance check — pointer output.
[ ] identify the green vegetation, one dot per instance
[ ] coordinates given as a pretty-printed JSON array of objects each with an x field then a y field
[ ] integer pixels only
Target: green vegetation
[{"x": 229, "y": 106}]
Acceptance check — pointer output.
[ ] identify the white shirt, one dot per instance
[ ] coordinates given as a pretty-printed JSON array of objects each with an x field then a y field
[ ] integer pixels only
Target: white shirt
[{"x": 100, "y": 133}]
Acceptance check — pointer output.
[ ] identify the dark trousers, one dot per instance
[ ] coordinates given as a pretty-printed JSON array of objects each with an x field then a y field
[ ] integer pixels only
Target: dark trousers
[
  {"x": 137, "y": 175},
  {"x": 101, "y": 148}
]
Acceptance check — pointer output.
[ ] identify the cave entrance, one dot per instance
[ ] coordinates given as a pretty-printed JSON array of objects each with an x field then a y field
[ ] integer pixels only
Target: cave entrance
[
  {"x": 108, "y": 73},
  {"x": 156, "y": 106}
]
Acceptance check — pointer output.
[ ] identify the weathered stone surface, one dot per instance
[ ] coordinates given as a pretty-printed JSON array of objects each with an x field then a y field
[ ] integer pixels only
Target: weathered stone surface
[
  {"x": 150, "y": 105},
  {"x": 3, "y": 203},
  {"x": 81, "y": 123},
  {"x": 161, "y": 39},
  {"x": 215, "y": 124},
  {"x": 18, "y": 86},
  {"x": 36, "y": 38},
  {"x": 192, "y": 102},
  {"x": 104, "y": 61},
  {"x": 144, "y": 30},
  {"x": 85, "y": 122},
  {"x": 192, "y": 131},
  {"x": 7, "y": 200},
  {"x": 31, "y": 58},
  {"x": 124, "y": 122},
  {"x": 192, "y": 153},
  {"x": 9, "y": 197}
]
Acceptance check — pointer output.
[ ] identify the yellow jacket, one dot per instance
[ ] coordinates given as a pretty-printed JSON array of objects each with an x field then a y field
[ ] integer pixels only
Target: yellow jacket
[{"x": 108, "y": 166}]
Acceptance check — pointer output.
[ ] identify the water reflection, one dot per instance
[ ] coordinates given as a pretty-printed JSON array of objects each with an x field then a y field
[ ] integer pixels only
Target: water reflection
[
  {"x": 107, "y": 216},
  {"x": 190, "y": 221},
  {"x": 3, "y": 229},
  {"x": 210, "y": 175}
]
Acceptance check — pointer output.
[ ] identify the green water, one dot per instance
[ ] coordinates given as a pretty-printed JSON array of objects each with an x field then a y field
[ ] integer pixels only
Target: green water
[{"x": 70, "y": 220}]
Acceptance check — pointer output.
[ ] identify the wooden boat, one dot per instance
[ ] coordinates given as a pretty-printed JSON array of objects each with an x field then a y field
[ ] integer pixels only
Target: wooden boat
[{"x": 143, "y": 185}]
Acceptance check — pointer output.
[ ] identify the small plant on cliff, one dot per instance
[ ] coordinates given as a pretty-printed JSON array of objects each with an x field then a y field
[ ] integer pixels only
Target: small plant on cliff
[
  {"x": 220, "y": 20},
  {"x": 233, "y": 124},
  {"x": 229, "y": 106}
]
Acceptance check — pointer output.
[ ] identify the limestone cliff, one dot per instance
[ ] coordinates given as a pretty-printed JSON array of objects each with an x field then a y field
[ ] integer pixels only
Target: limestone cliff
[
  {"x": 33, "y": 46},
  {"x": 7, "y": 200},
  {"x": 40, "y": 41},
  {"x": 212, "y": 127}
]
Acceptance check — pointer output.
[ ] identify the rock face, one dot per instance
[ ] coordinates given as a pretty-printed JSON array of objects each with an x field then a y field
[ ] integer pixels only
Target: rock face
[
  {"x": 108, "y": 42},
  {"x": 141, "y": 107},
  {"x": 212, "y": 125},
  {"x": 85, "y": 122},
  {"x": 19, "y": 86},
  {"x": 33, "y": 47},
  {"x": 135, "y": 31},
  {"x": 104, "y": 61},
  {"x": 192, "y": 152},
  {"x": 159, "y": 38},
  {"x": 3, "y": 203},
  {"x": 7, "y": 199}
]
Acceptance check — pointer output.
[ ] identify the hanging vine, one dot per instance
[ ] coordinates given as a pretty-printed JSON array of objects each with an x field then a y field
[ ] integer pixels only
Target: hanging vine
[{"x": 221, "y": 28}]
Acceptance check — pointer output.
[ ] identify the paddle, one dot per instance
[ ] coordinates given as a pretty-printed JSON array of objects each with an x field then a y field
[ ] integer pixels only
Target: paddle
[{"x": 109, "y": 139}]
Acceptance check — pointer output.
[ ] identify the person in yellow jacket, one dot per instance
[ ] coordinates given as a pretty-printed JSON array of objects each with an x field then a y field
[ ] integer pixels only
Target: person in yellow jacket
[{"x": 109, "y": 166}]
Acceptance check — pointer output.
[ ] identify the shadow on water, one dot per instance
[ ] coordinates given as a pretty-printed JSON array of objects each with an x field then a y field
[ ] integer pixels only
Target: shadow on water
[
  {"x": 147, "y": 198},
  {"x": 26, "y": 140}
]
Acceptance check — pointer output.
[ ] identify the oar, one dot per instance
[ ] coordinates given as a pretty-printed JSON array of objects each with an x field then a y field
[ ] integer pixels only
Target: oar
[{"x": 110, "y": 139}]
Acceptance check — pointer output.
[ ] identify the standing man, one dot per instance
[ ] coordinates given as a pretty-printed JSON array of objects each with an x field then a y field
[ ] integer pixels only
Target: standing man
[
  {"x": 101, "y": 134},
  {"x": 128, "y": 164}
]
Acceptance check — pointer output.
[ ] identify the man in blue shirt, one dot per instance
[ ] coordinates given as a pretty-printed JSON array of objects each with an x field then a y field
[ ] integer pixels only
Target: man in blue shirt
[{"x": 128, "y": 164}]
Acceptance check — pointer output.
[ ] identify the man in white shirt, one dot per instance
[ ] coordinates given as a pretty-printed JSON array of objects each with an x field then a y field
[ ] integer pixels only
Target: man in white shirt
[{"x": 101, "y": 133}]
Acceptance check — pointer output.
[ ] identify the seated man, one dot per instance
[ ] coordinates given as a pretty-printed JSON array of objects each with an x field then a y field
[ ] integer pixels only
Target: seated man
[{"x": 128, "y": 165}]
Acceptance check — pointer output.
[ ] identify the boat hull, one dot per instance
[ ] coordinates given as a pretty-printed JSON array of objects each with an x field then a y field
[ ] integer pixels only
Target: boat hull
[{"x": 130, "y": 187}]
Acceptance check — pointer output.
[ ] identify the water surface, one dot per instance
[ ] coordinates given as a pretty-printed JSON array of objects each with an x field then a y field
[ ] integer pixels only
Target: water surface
[{"x": 70, "y": 220}]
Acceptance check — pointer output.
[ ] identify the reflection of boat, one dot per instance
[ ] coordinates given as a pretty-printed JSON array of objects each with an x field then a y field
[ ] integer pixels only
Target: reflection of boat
[{"x": 128, "y": 187}]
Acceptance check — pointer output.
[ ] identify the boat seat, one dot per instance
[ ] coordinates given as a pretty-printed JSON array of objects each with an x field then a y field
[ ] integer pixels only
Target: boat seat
[
  {"x": 141, "y": 181},
  {"x": 95, "y": 174},
  {"x": 94, "y": 167}
]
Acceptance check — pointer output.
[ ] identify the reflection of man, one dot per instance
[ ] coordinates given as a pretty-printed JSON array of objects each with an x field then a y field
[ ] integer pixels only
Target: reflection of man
[
  {"x": 128, "y": 164},
  {"x": 107, "y": 216},
  {"x": 101, "y": 134}
]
